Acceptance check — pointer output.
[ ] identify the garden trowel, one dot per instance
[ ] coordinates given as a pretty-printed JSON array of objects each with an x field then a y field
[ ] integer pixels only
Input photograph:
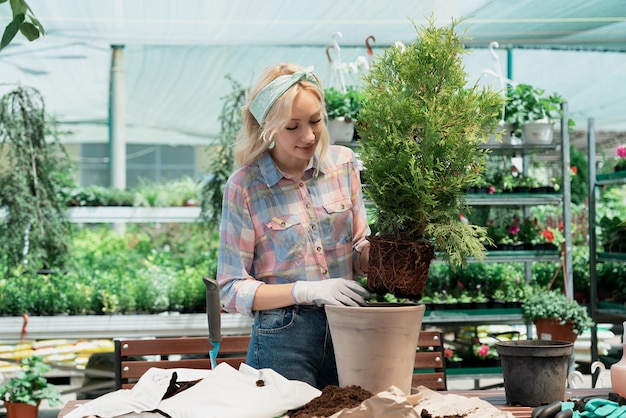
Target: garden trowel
[{"x": 213, "y": 310}]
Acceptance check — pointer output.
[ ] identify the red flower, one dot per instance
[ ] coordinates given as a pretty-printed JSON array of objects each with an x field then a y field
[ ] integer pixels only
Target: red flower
[
  {"x": 447, "y": 353},
  {"x": 574, "y": 170},
  {"x": 548, "y": 235}
]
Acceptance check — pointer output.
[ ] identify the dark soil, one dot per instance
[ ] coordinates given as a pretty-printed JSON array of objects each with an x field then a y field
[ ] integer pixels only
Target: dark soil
[{"x": 332, "y": 400}]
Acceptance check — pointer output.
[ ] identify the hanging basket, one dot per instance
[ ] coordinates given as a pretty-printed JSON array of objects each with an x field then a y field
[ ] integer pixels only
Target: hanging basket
[{"x": 399, "y": 267}]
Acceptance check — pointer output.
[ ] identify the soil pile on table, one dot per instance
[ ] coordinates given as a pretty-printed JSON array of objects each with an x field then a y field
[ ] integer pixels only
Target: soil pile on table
[{"x": 332, "y": 400}]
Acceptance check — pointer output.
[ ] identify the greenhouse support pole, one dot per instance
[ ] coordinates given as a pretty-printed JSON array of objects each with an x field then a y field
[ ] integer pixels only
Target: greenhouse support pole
[
  {"x": 117, "y": 108},
  {"x": 117, "y": 125}
]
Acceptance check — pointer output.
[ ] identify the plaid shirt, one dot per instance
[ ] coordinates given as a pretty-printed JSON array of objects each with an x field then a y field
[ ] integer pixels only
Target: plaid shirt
[{"x": 276, "y": 229}]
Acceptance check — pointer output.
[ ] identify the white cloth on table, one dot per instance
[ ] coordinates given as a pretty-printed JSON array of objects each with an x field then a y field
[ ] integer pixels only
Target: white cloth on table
[{"x": 222, "y": 392}]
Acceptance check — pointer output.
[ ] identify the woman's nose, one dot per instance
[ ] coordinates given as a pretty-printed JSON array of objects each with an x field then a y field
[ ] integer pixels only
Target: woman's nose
[{"x": 309, "y": 134}]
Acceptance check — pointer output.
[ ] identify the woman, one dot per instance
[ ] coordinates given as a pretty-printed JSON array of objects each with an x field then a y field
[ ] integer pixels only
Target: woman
[{"x": 293, "y": 228}]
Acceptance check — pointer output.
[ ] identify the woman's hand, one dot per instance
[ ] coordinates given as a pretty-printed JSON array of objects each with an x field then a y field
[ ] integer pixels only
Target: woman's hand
[{"x": 330, "y": 292}]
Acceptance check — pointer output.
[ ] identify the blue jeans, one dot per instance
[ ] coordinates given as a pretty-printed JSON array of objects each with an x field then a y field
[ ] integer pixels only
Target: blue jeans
[{"x": 295, "y": 342}]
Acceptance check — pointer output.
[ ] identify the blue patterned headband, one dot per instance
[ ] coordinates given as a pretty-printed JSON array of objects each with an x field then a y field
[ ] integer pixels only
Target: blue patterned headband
[{"x": 268, "y": 95}]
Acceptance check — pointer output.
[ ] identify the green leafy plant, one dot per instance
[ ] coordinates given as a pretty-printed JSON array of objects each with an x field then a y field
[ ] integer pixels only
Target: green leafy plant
[
  {"x": 30, "y": 385},
  {"x": 613, "y": 234},
  {"x": 223, "y": 160},
  {"x": 24, "y": 21},
  {"x": 542, "y": 303},
  {"x": 527, "y": 103},
  {"x": 36, "y": 230},
  {"x": 421, "y": 129},
  {"x": 343, "y": 105}
]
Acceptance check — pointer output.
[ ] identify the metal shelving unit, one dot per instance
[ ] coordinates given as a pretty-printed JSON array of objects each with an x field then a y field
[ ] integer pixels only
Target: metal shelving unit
[{"x": 599, "y": 312}]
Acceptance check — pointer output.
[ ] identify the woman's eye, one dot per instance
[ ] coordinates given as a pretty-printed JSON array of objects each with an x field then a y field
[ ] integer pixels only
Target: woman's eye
[
  {"x": 315, "y": 122},
  {"x": 291, "y": 128}
]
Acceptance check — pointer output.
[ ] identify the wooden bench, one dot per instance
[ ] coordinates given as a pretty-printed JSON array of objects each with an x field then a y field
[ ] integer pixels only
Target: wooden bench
[
  {"x": 430, "y": 367},
  {"x": 133, "y": 357}
]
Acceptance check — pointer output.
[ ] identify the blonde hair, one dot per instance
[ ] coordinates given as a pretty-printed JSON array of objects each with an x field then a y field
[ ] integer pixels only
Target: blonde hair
[{"x": 254, "y": 139}]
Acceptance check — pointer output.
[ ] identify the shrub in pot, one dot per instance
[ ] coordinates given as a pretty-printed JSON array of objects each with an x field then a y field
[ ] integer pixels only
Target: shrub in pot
[
  {"x": 528, "y": 104},
  {"x": 29, "y": 386},
  {"x": 554, "y": 305},
  {"x": 342, "y": 108},
  {"x": 421, "y": 128}
]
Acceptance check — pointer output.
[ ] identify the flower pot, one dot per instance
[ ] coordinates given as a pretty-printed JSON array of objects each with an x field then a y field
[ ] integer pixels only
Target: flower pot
[
  {"x": 551, "y": 329},
  {"x": 534, "y": 371},
  {"x": 375, "y": 345},
  {"x": 340, "y": 130},
  {"x": 21, "y": 410},
  {"x": 399, "y": 267},
  {"x": 537, "y": 132}
]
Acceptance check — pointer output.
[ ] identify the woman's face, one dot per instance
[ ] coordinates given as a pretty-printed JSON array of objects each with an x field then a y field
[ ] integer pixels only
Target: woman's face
[{"x": 295, "y": 144}]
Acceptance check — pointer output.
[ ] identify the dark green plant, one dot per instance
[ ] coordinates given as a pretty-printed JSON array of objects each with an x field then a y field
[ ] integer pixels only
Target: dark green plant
[
  {"x": 343, "y": 105},
  {"x": 526, "y": 103},
  {"x": 30, "y": 385},
  {"x": 612, "y": 234},
  {"x": 222, "y": 161},
  {"x": 542, "y": 303},
  {"x": 421, "y": 131},
  {"x": 24, "y": 21},
  {"x": 36, "y": 230},
  {"x": 100, "y": 196}
]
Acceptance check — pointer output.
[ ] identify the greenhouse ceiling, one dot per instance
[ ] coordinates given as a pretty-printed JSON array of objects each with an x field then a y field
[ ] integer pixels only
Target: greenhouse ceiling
[{"x": 177, "y": 54}]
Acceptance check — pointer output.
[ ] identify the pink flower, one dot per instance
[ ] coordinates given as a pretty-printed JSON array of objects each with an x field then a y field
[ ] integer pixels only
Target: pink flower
[
  {"x": 492, "y": 190},
  {"x": 514, "y": 230},
  {"x": 483, "y": 351},
  {"x": 621, "y": 151}
]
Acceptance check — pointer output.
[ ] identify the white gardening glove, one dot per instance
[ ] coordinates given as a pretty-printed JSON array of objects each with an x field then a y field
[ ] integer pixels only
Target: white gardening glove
[{"x": 330, "y": 291}]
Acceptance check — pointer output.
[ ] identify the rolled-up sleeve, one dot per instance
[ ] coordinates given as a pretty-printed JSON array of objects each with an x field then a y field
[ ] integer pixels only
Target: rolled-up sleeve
[{"x": 236, "y": 252}]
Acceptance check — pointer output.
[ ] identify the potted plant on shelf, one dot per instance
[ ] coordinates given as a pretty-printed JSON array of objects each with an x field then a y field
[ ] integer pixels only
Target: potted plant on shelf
[
  {"x": 532, "y": 113},
  {"x": 555, "y": 316},
  {"x": 342, "y": 108},
  {"x": 620, "y": 163},
  {"x": 420, "y": 131},
  {"x": 23, "y": 393}
]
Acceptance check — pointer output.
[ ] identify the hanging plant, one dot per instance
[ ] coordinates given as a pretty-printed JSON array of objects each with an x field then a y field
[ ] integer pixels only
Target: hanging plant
[
  {"x": 222, "y": 161},
  {"x": 34, "y": 178}
]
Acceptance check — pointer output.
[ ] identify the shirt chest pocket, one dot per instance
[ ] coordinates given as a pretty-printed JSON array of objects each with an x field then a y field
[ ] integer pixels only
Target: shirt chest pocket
[
  {"x": 337, "y": 223},
  {"x": 287, "y": 237}
]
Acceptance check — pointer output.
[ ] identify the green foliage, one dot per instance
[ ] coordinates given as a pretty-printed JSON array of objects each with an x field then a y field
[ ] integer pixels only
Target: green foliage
[
  {"x": 223, "y": 160},
  {"x": 30, "y": 385},
  {"x": 420, "y": 129},
  {"x": 527, "y": 103},
  {"x": 36, "y": 230},
  {"x": 343, "y": 105},
  {"x": 24, "y": 21},
  {"x": 543, "y": 303},
  {"x": 149, "y": 270},
  {"x": 579, "y": 181}
]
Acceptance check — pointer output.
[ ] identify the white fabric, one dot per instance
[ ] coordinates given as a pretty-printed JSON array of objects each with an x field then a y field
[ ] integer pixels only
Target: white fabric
[
  {"x": 223, "y": 392},
  {"x": 439, "y": 405}
]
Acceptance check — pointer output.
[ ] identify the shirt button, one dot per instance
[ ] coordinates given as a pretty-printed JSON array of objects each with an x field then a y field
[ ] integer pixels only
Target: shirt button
[
  {"x": 342, "y": 206},
  {"x": 282, "y": 224},
  {"x": 313, "y": 227},
  {"x": 324, "y": 271},
  {"x": 319, "y": 249},
  {"x": 308, "y": 206},
  {"x": 301, "y": 184}
]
